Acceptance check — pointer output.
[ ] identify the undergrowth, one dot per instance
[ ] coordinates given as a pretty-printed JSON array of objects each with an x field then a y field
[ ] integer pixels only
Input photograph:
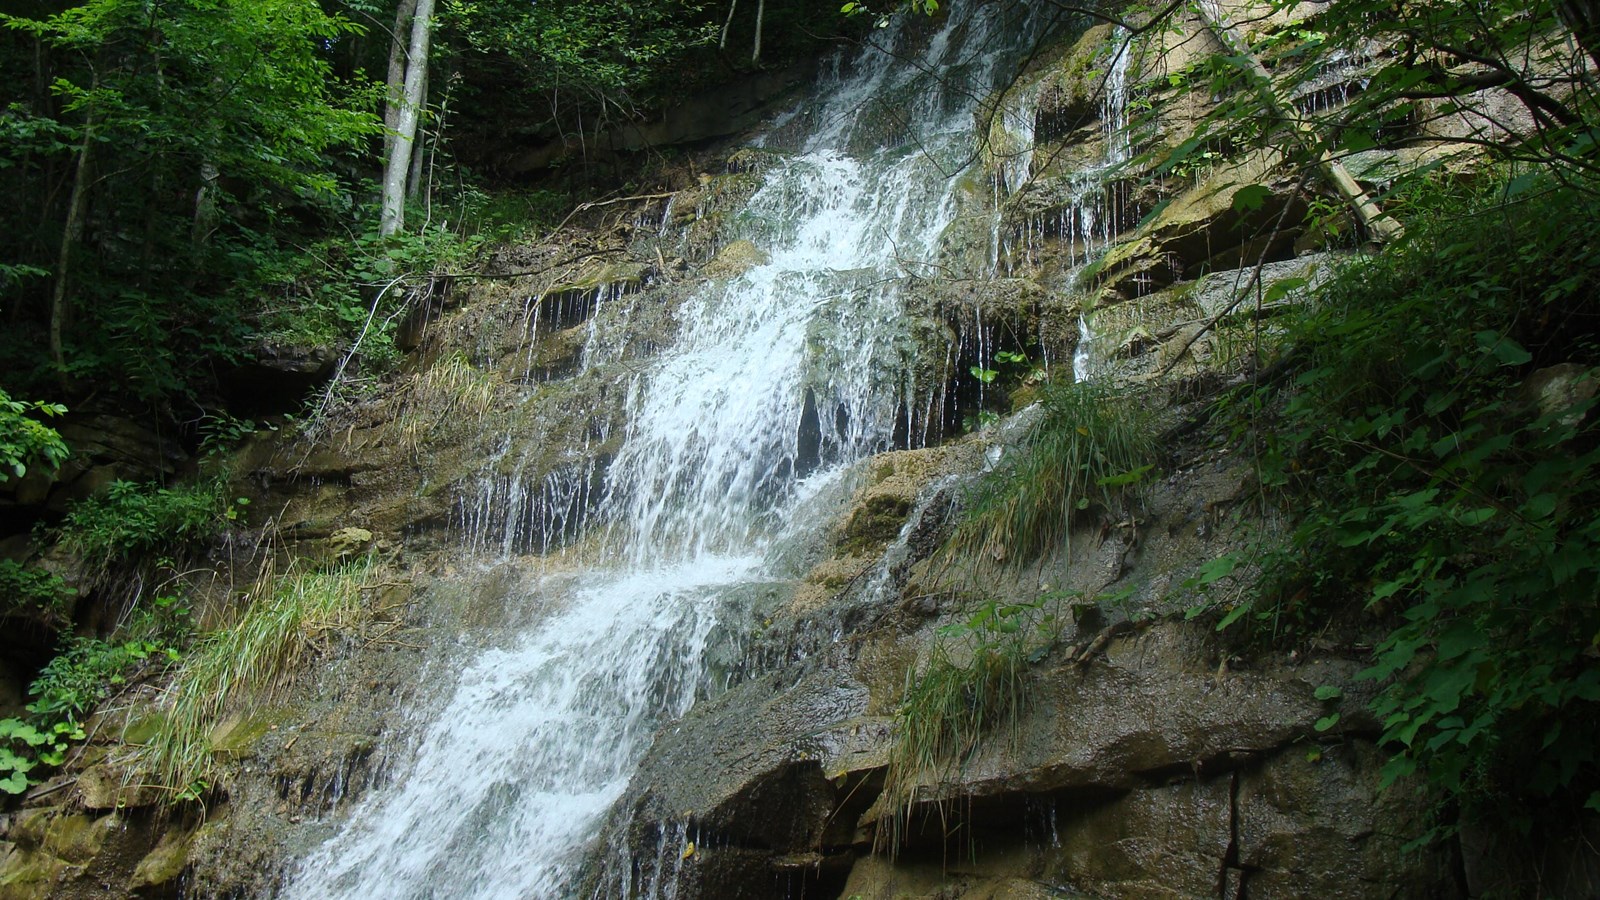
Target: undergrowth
[
  {"x": 82, "y": 675},
  {"x": 1433, "y": 425},
  {"x": 131, "y": 520}
]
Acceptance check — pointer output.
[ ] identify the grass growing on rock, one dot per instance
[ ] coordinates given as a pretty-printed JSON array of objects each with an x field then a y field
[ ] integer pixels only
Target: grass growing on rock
[
  {"x": 1090, "y": 445},
  {"x": 973, "y": 687},
  {"x": 243, "y": 664}
]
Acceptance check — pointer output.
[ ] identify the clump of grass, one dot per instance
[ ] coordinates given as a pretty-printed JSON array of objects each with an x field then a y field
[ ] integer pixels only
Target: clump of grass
[
  {"x": 245, "y": 663},
  {"x": 974, "y": 685},
  {"x": 452, "y": 390},
  {"x": 1090, "y": 446}
]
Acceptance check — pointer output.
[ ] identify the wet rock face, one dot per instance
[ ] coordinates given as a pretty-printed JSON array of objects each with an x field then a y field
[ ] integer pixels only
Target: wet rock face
[{"x": 1151, "y": 758}]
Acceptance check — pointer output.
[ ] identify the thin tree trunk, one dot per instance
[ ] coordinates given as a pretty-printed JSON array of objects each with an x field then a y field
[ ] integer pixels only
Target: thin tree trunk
[
  {"x": 761, "y": 11},
  {"x": 205, "y": 204},
  {"x": 398, "y": 165},
  {"x": 71, "y": 234},
  {"x": 394, "y": 92},
  {"x": 728, "y": 23},
  {"x": 414, "y": 179},
  {"x": 1379, "y": 225}
]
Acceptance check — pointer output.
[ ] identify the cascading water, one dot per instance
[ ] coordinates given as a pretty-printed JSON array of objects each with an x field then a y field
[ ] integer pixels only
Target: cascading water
[{"x": 780, "y": 379}]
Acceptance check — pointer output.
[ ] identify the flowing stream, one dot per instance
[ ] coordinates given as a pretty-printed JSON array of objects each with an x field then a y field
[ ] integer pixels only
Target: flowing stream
[{"x": 780, "y": 379}]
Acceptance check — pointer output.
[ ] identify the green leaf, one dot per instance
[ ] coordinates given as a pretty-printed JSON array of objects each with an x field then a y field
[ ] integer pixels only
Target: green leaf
[
  {"x": 1282, "y": 288},
  {"x": 1326, "y": 722},
  {"x": 1251, "y": 197},
  {"x": 1233, "y": 616},
  {"x": 1217, "y": 568},
  {"x": 1329, "y": 692},
  {"x": 15, "y": 783},
  {"x": 1507, "y": 351}
]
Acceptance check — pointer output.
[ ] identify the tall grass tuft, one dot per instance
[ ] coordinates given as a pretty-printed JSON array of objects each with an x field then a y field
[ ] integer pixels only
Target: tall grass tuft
[
  {"x": 1090, "y": 446},
  {"x": 973, "y": 687},
  {"x": 452, "y": 390},
  {"x": 245, "y": 663}
]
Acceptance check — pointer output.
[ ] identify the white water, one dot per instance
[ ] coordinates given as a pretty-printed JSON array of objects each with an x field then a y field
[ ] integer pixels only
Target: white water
[{"x": 512, "y": 780}]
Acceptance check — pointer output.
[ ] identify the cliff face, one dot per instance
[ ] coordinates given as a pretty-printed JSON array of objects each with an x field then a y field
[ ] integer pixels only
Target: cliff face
[{"x": 1141, "y": 752}]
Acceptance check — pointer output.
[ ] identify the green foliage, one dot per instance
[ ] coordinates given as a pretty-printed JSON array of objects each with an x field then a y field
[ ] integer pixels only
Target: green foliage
[
  {"x": 24, "y": 588},
  {"x": 85, "y": 672},
  {"x": 1091, "y": 445},
  {"x": 26, "y": 749},
  {"x": 244, "y": 663},
  {"x": 24, "y": 439},
  {"x": 82, "y": 674},
  {"x": 1448, "y": 491},
  {"x": 207, "y": 130},
  {"x": 130, "y": 520},
  {"x": 342, "y": 289}
]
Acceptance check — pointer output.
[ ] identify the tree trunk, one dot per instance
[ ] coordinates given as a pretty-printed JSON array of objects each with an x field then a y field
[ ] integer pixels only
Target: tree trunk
[
  {"x": 761, "y": 11},
  {"x": 414, "y": 179},
  {"x": 71, "y": 234},
  {"x": 728, "y": 23},
  {"x": 397, "y": 166},
  {"x": 395, "y": 83}
]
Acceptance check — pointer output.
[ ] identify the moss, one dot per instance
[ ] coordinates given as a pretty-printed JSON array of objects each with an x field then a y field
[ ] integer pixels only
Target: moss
[
  {"x": 31, "y": 876},
  {"x": 875, "y": 523},
  {"x": 237, "y": 736},
  {"x": 77, "y": 839}
]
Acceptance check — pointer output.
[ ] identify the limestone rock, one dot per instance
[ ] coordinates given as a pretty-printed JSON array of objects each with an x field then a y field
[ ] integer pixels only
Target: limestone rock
[
  {"x": 1318, "y": 826},
  {"x": 735, "y": 259},
  {"x": 1203, "y": 230},
  {"x": 349, "y": 541},
  {"x": 107, "y": 786}
]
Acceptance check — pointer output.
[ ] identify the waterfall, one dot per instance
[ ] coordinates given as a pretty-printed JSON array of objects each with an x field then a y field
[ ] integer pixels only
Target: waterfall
[{"x": 780, "y": 379}]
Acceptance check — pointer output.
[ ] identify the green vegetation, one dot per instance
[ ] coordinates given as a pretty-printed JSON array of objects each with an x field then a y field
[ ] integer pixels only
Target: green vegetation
[
  {"x": 25, "y": 748},
  {"x": 25, "y": 440},
  {"x": 85, "y": 672},
  {"x": 1090, "y": 446},
  {"x": 244, "y": 663},
  {"x": 221, "y": 670},
  {"x": 1432, "y": 420},
  {"x": 194, "y": 180},
  {"x": 24, "y": 588},
  {"x": 974, "y": 684},
  {"x": 130, "y": 520}
]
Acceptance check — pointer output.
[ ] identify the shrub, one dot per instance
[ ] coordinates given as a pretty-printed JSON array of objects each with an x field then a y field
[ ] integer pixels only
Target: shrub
[
  {"x": 23, "y": 588},
  {"x": 130, "y": 520},
  {"x": 1451, "y": 495},
  {"x": 24, "y": 439}
]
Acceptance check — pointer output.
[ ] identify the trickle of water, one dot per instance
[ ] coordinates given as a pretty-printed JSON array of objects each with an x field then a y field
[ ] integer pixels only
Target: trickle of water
[{"x": 779, "y": 378}]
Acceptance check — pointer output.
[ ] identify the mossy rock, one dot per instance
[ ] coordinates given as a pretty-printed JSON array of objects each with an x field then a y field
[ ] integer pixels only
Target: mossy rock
[
  {"x": 108, "y": 786},
  {"x": 875, "y": 523},
  {"x": 30, "y": 875},
  {"x": 77, "y": 839},
  {"x": 237, "y": 736},
  {"x": 165, "y": 864}
]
